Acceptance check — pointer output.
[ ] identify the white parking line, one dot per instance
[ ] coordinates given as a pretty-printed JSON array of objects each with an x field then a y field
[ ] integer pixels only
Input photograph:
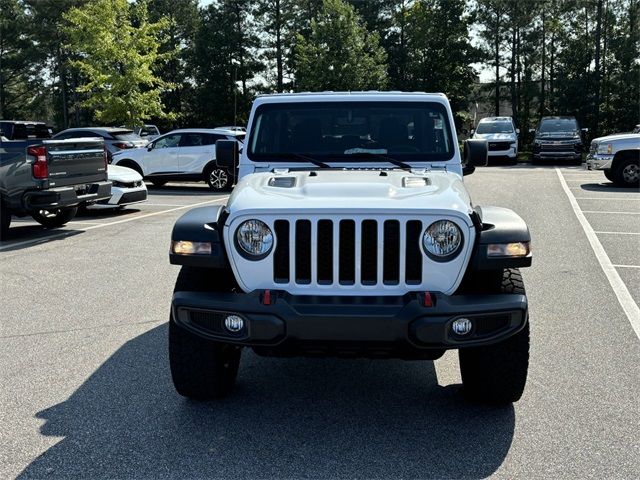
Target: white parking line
[
  {"x": 621, "y": 291},
  {"x": 608, "y": 198},
  {"x": 618, "y": 233},
  {"x": 627, "y": 266},
  {"x": 107, "y": 224}
]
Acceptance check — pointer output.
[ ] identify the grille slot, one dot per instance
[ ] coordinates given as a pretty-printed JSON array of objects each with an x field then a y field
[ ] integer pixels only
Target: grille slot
[
  {"x": 281, "y": 254},
  {"x": 373, "y": 252},
  {"x": 303, "y": 252},
  {"x": 413, "y": 260},
  {"x": 497, "y": 146},
  {"x": 347, "y": 255}
]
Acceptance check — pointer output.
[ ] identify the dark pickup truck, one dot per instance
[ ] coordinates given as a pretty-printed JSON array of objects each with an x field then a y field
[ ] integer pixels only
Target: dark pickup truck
[{"x": 47, "y": 178}]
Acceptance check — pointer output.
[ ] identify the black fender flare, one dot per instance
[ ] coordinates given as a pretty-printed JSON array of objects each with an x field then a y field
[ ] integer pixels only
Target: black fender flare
[
  {"x": 499, "y": 226},
  {"x": 132, "y": 164},
  {"x": 202, "y": 224}
]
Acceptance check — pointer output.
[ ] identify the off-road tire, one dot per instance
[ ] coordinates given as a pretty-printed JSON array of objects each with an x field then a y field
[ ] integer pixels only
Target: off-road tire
[
  {"x": 496, "y": 374},
  {"x": 54, "y": 218},
  {"x": 214, "y": 177},
  {"x": 626, "y": 173},
  {"x": 201, "y": 369},
  {"x": 5, "y": 220}
]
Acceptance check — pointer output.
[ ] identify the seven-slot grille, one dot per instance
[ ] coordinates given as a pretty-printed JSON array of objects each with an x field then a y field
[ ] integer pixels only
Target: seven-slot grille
[{"x": 348, "y": 252}]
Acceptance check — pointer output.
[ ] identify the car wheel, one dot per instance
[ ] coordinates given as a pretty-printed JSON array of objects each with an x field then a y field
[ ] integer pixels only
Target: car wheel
[
  {"x": 627, "y": 172},
  {"x": 218, "y": 179},
  {"x": 201, "y": 369},
  {"x": 5, "y": 220},
  {"x": 497, "y": 374},
  {"x": 54, "y": 218},
  {"x": 159, "y": 183}
]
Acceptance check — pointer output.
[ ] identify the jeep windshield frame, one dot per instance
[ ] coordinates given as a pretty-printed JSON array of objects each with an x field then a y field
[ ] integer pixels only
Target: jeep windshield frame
[{"x": 351, "y": 132}]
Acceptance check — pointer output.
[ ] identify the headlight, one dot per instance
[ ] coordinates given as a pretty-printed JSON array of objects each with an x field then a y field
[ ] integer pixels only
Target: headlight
[
  {"x": 606, "y": 148},
  {"x": 442, "y": 240},
  {"x": 255, "y": 239}
]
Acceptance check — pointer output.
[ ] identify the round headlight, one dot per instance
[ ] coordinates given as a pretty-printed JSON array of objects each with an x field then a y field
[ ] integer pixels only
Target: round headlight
[
  {"x": 255, "y": 239},
  {"x": 442, "y": 240}
]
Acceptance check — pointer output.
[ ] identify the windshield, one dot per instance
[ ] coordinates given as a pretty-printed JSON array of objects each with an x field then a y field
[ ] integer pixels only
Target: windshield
[
  {"x": 494, "y": 127},
  {"x": 346, "y": 130},
  {"x": 558, "y": 125}
]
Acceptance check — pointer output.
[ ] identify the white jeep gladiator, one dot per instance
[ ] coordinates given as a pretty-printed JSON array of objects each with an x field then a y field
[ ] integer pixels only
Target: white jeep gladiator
[
  {"x": 618, "y": 156},
  {"x": 350, "y": 233}
]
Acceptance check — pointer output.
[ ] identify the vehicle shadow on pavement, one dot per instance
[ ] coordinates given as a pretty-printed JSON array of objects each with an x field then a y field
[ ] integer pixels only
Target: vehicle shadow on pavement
[
  {"x": 288, "y": 418},
  {"x": 29, "y": 236},
  {"x": 607, "y": 187}
]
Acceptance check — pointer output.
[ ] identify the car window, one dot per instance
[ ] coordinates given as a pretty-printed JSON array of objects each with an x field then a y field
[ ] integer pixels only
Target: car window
[
  {"x": 494, "y": 127},
  {"x": 169, "y": 141},
  {"x": 552, "y": 125},
  {"x": 212, "y": 138},
  {"x": 125, "y": 135},
  {"x": 192, "y": 140}
]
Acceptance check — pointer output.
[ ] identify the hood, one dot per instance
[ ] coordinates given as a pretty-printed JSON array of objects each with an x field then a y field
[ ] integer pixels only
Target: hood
[
  {"x": 618, "y": 136},
  {"x": 495, "y": 136},
  {"x": 351, "y": 191},
  {"x": 122, "y": 174}
]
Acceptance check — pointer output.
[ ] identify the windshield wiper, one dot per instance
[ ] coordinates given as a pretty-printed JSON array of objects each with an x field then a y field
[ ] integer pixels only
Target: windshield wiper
[
  {"x": 306, "y": 158},
  {"x": 393, "y": 161}
]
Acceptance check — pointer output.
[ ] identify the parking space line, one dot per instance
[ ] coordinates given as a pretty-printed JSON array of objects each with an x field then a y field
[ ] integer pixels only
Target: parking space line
[
  {"x": 611, "y": 213},
  {"x": 621, "y": 291},
  {"x": 107, "y": 224},
  {"x": 618, "y": 233},
  {"x": 627, "y": 266}
]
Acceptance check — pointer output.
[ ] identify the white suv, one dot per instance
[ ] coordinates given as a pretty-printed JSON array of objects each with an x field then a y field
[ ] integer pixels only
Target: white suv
[
  {"x": 182, "y": 155},
  {"x": 501, "y": 136}
]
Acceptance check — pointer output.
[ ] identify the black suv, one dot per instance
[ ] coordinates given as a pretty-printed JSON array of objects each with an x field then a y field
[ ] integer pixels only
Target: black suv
[{"x": 558, "y": 138}]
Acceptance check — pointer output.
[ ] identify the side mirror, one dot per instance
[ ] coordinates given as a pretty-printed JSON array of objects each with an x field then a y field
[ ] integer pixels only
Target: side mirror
[
  {"x": 475, "y": 153},
  {"x": 532, "y": 130},
  {"x": 517, "y": 131},
  {"x": 149, "y": 147},
  {"x": 584, "y": 131},
  {"x": 227, "y": 153},
  {"x": 472, "y": 131}
]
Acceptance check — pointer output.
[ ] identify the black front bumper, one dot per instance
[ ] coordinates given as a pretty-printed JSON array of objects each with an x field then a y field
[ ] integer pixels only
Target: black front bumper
[
  {"x": 62, "y": 197},
  {"x": 397, "y": 325}
]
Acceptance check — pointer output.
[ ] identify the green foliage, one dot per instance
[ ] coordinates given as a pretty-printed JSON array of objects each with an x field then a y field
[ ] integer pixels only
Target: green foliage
[
  {"x": 339, "y": 53},
  {"x": 117, "y": 50},
  {"x": 439, "y": 51}
]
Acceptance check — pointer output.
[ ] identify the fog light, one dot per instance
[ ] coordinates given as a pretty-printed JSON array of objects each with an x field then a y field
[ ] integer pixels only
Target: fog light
[
  {"x": 234, "y": 323},
  {"x": 461, "y": 326}
]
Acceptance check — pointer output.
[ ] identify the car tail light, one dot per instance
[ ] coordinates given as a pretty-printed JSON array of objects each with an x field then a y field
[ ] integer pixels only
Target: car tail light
[
  {"x": 123, "y": 145},
  {"x": 40, "y": 167}
]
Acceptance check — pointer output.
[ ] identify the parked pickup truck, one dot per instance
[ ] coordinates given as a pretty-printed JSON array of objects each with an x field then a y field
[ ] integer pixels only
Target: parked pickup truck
[
  {"x": 47, "y": 178},
  {"x": 618, "y": 156}
]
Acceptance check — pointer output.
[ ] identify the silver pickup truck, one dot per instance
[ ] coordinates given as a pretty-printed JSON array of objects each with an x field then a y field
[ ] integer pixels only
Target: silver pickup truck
[{"x": 47, "y": 179}]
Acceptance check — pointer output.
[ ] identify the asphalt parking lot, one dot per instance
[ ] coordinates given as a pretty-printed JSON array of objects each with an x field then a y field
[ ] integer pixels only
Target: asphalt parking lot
[{"x": 86, "y": 390}]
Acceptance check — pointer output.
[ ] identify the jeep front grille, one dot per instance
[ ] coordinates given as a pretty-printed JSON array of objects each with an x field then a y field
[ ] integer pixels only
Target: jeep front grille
[{"x": 348, "y": 252}]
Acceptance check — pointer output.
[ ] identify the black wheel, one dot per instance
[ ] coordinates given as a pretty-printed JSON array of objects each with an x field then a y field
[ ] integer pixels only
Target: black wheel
[
  {"x": 496, "y": 374},
  {"x": 159, "y": 183},
  {"x": 5, "y": 220},
  {"x": 609, "y": 175},
  {"x": 218, "y": 179},
  {"x": 626, "y": 173},
  {"x": 201, "y": 369},
  {"x": 54, "y": 218}
]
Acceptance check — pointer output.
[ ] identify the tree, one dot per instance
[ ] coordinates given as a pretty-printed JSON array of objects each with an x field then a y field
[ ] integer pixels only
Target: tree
[
  {"x": 117, "y": 49},
  {"x": 339, "y": 53},
  {"x": 491, "y": 17},
  {"x": 440, "y": 55}
]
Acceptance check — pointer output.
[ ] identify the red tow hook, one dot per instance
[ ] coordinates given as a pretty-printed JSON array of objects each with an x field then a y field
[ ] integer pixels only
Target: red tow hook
[
  {"x": 266, "y": 297},
  {"x": 428, "y": 299}
]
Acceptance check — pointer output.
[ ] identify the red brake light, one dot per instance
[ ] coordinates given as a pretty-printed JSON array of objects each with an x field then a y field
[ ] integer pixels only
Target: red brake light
[
  {"x": 40, "y": 166},
  {"x": 123, "y": 145}
]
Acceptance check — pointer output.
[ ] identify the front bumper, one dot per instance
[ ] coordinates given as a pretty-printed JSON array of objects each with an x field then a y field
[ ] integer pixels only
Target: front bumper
[
  {"x": 599, "y": 162},
  {"x": 510, "y": 153},
  {"x": 125, "y": 196},
  {"x": 400, "y": 326},
  {"x": 62, "y": 197}
]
